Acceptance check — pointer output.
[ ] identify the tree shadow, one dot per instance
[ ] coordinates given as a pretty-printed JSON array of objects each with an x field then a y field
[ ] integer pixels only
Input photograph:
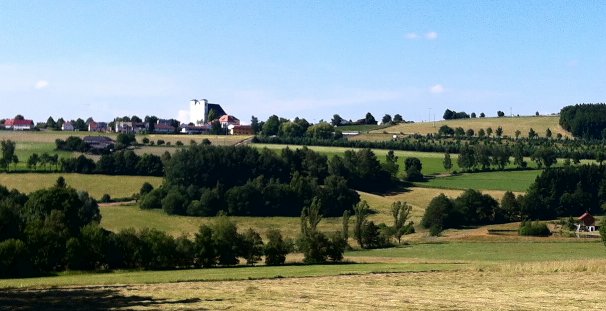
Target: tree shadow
[{"x": 82, "y": 298}]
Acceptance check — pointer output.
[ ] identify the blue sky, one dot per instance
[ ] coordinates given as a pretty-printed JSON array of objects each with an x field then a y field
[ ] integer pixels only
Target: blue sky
[{"x": 309, "y": 59}]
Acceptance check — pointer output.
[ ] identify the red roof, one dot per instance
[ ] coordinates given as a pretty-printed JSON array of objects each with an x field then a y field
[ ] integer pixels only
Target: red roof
[
  {"x": 228, "y": 118},
  {"x": 13, "y": 122},
  {"x": 587, "y": 219}
]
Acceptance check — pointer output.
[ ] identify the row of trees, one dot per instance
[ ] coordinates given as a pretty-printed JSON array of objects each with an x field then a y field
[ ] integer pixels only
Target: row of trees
[
  {"x": 486, "y": 156},
  {"x": 459, "y": 132},
  {"x": 117, "y": 163}
]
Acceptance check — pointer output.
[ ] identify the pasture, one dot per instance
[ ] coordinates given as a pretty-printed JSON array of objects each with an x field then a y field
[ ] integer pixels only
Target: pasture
[
  {"x": 450, "y": 276},
  {"x": 540, "y": 125},
  {"x": 498, "y": 180},
  {"x": 95, "y": 185},
  {"x": 115, "y": 218}
]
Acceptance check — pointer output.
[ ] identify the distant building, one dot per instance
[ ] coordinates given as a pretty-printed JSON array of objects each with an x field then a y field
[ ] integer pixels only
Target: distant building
[
  {"x": 130, "y": 127},
  {"x": 18, "y": 125},
  {"x": 193, "y": 129},
  {"x": 97, "y": 126},
  {"x": 68, "y": 126},
  {"x": 227, "y": 120},
  {"x": 99, "y": 142},
  {"x": 241, "y": 130},
  {"x": 200, "y": 109},
  {"x": 162, "y": 128}
]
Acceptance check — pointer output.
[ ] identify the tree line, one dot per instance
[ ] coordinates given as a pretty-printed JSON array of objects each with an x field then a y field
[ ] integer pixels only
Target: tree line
[
  {"x": 117, "y": 163},
  {"x": 58, "y": 228},
  {"x": 557, "y": 192}
]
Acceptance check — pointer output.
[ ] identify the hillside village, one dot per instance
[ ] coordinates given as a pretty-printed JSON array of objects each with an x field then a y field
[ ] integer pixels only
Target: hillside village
[{"x": 212, "y": 119}]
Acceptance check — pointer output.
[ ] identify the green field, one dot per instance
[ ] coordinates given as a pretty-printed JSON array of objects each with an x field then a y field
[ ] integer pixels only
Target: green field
[
  {"x": 509, "y": 124},
  {"x": 363, "y": 128},
  {"x": 517, "y": 181},
  {"x": 493, "y": 252},
  {"x": 95, "y": 185}
]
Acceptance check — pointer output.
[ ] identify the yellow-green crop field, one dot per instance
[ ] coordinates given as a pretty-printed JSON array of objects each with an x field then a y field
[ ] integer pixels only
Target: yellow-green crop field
[{"x": 539, "y": 124}]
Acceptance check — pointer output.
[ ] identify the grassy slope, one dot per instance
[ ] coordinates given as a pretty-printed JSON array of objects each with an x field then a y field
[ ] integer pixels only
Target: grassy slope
[
  {"x": 96, "y": 185},
  {"x": 418, "y": 257},
  {"x": 119, "y": 217},
  {"x": 509, "y": 180},
  {"x": 509, "y": 125}
]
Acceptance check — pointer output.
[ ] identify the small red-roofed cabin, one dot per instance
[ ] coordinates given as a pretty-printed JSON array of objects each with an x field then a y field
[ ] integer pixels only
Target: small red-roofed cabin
[{"x": 587, "y": 219}]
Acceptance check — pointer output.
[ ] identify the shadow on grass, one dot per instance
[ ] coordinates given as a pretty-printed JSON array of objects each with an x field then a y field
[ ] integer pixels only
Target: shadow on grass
[{"x": 81, "y": 298}]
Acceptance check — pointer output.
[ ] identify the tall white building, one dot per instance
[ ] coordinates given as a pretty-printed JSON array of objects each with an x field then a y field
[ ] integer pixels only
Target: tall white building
[
  {"x": 196, "y": 111},
  {"x": 199, "y": 109}
]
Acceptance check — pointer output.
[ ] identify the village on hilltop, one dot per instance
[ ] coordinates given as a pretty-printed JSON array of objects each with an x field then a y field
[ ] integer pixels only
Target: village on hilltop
[{"x": 207, "y": 118}]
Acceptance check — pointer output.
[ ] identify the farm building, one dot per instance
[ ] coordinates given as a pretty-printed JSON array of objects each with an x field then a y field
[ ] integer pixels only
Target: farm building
[
  {"x": 68, "y": 126},
  {"x": 227, "y": 120},
  {"x": 18, "y": 125},
  {"x": 241, "y": 130},
  {"x": 99, "y": 142}
]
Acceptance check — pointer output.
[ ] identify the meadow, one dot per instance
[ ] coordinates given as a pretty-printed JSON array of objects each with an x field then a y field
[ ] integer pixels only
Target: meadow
[
  {"x": 115, "y": 218},
  {"x": 517, "y": 181},
  {"x": 95, "y": 185},
  {"x": 446, "y": 276},
  {"x": 539, "y": 124}
]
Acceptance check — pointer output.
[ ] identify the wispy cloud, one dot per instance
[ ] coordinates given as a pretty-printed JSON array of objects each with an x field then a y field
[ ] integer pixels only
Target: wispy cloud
[
  {"x": 41, "y": 84},
  {"x": 437, "y": 89},
  {"x": 411, "y": 36},
  {"x": 432, "y": 35}
]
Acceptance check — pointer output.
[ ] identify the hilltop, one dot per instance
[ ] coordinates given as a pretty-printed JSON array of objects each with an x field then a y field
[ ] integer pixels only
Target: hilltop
[{"x": 540, "y": 124}]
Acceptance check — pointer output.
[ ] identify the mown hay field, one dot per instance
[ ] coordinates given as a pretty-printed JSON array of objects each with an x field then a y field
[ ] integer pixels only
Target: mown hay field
[
  {"x": 95, "y": 185},
  {"x": 453, "y": 276},
  {"x": 539, "y": 124}
]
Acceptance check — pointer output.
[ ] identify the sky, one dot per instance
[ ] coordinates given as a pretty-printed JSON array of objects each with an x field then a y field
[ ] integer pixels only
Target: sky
[{"x": 311, "y": 59}]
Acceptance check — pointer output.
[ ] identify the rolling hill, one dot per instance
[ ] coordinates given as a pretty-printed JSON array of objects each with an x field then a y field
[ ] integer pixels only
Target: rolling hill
[{"x": 540, "y": 125}]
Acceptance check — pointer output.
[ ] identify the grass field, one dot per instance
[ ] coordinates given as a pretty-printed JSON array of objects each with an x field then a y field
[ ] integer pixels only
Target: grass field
[
  {"x": 217, "y": 140},
  {"x": 508, "y": 180},
  {"x": 362, "y": 128},
  {"x": 509, "y": 124},
  {"x": 116, "y": 218},
  {"x": 95, "y": 185},
  {"x": 451, "y": 276}
]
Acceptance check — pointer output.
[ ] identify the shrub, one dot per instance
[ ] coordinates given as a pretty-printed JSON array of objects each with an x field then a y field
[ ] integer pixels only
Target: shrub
[
  {"x": 530, "y": 228},
  {"x": 14, "y": 259},
  {"x": 105, "y": 198},
  {"x": 276, "y": 248}
]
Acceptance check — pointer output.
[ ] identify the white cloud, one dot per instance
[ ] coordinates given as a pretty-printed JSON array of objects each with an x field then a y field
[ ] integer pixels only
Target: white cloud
[
  {"x": 41, "y": 84},
  {"x": 437, "y": 89},
  {"x": 431, "y": 35},
  {"x": 411, "y": 36}
]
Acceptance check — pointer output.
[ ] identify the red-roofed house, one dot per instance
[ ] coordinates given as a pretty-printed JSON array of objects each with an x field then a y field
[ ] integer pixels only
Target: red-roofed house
[
  {"x": 227, "y": 120},
  {"x": 18, "y": 125}
]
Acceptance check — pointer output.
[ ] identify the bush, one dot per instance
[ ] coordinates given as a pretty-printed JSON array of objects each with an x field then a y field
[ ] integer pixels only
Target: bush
[
  {"x": 14, "y": 259},
  {"x": 276, "y": 248},
  {"x": 105, "y": 198},
  {"x": 152, "y": 200},
  {"x": 530, "y": 228}
]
